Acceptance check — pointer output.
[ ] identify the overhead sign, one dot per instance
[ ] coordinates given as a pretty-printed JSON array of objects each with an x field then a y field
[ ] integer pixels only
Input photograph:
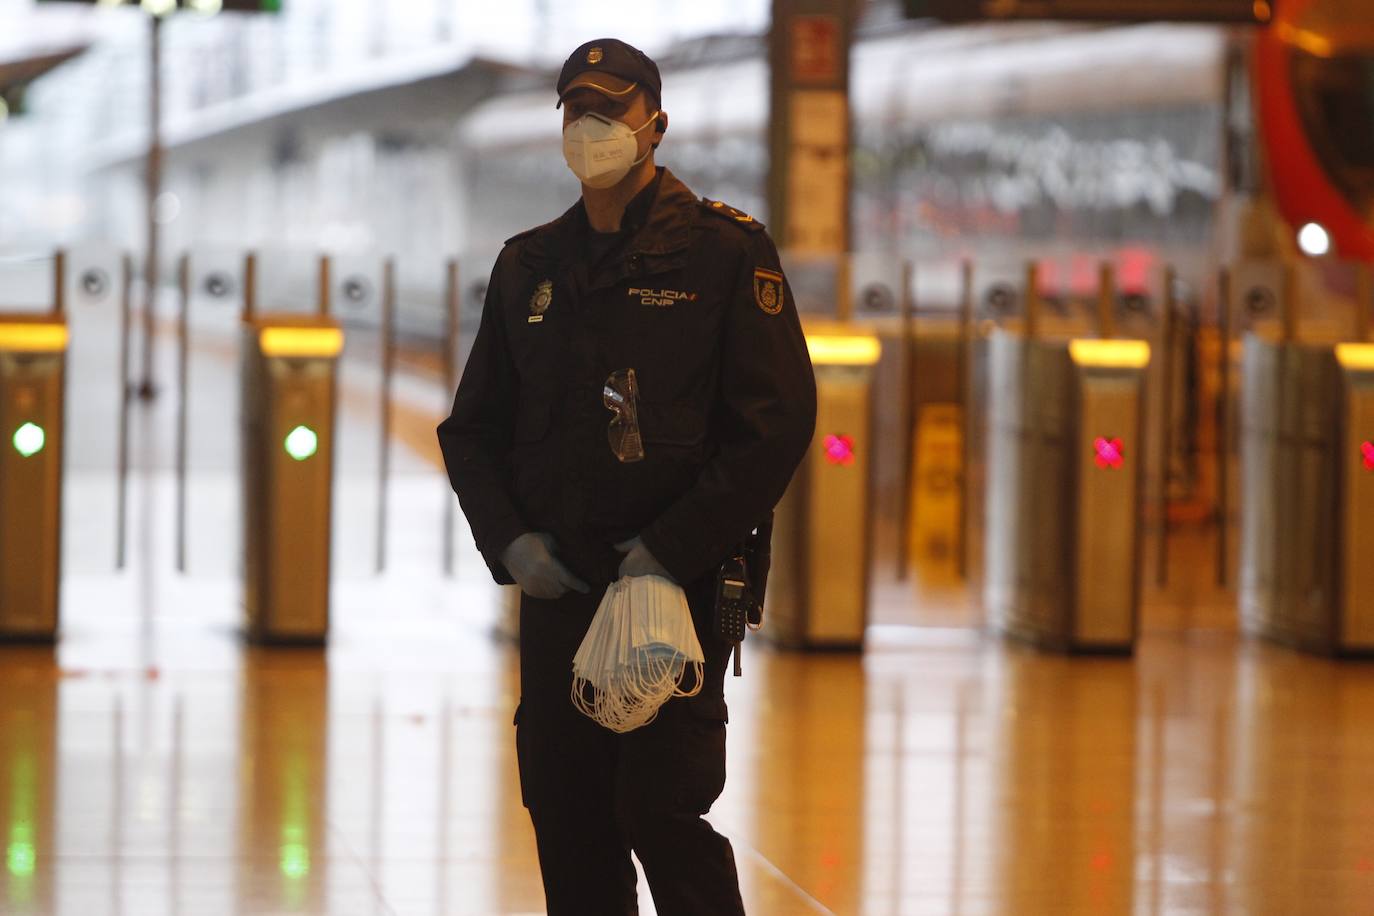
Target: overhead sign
[
  {"x": 160, "y": 7},
  {"x": 817, "y": 46},
  {"x": 1257, "y": 12}
]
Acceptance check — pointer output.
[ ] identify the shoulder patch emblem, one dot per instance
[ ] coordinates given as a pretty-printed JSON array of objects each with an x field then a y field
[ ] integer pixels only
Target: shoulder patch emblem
[
  {"x": 768, "y": 290},
  {"x": 541, "y": 300}
]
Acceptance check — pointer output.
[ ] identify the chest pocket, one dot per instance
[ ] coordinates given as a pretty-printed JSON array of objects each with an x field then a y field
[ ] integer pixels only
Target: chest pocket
[
  {"x": 680, "y": 426},
  {"x": 537, "y": 325}
]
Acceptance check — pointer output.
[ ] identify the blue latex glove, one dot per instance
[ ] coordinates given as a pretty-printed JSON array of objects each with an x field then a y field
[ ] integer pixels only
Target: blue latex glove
[
  {"x": 638, "y": 561},
  {"x": 531, "y": 562}
]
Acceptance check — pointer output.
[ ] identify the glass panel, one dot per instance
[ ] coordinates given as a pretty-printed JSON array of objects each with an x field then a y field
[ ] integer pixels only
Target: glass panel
[
  {"x": 94, "y": 293},
  {"x": 213, "y": 520},
  {"x": 357, "y": 286}
]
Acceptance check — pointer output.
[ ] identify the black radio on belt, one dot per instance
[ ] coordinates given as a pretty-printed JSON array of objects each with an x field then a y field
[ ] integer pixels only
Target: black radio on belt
[
  {"x": 734, "y": 600},
  {"x": 739, "y": 604}
]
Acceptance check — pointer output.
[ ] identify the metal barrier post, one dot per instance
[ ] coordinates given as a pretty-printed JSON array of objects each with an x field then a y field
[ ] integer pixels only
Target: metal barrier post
[
  {"x": 1064, "y": 491},
  {"x": 1307, "y": 449},
  {"x": 1065, "y": 466},
  {"x": 33, "y": 351},
  {"x": 818, "y": 593},
  {"x": 289, "y": 382},
  {"x": 1354, "y": 624}
]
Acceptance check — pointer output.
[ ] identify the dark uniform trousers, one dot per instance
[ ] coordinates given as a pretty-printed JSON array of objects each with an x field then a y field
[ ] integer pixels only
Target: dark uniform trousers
[
  {"x": 594, "y": 795},
  {"x": 691, "y": 295}
]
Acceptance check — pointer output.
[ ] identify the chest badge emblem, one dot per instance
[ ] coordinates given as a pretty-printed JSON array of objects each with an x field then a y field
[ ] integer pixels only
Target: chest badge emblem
[
  {"x": 540, "y": 301},
  {"x": 768, "y": 290}
]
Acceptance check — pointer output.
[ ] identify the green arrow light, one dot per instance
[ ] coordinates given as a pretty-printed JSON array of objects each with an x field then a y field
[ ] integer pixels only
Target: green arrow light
[
  {"x": 302, "y": 442},
  {"x": 21, "y": 858},
  {"x": 29, "y": 439}
]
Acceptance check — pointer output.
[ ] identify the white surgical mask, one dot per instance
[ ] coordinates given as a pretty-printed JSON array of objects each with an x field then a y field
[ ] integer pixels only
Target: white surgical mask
[{"x": 600, "y": 151}]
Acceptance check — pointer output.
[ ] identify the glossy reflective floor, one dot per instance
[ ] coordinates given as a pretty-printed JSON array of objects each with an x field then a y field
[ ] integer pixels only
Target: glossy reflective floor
[{"x": 152, "y": 764}]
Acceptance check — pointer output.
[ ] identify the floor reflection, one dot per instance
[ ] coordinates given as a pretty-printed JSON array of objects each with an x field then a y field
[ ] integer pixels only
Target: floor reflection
[
  {"x": 28, "y": 761},
  {"x": 283, "y": 781},
  {"x": 183, "y": 773}
]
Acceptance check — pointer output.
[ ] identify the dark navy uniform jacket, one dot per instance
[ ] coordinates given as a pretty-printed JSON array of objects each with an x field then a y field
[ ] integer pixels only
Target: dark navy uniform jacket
[{"x": 691, "y": 296}]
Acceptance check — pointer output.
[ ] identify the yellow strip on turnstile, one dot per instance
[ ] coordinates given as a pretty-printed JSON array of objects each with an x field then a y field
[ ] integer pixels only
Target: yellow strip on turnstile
[
  {"x": 33, "y": 337},
  {"x": 1110, "y": 354},
  {"x": 1357, "y": 356},
  {"x": 288, "y": 341},
  {"x": 843, "y": 350}
]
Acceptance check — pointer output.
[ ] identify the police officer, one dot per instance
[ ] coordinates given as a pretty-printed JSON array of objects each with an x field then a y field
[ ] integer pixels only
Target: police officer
[{"x": 640, "y": 277}]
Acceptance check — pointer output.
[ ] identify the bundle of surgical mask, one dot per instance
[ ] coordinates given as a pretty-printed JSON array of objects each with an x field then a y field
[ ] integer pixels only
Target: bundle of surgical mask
[{"x": 636, "y": 650}]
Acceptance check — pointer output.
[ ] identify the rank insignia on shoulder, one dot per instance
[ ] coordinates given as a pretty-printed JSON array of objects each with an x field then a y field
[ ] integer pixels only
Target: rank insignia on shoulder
[
  {"x": 725, "y": 211},
  {"x": 768, "y": 290},
  {"x": 540, "y": 301}
]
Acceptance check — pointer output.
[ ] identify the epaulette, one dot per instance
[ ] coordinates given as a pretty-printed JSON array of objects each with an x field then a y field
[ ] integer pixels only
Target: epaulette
[
  {"x": 527, "y": 233},
  {"x": 738, "y": 217}
]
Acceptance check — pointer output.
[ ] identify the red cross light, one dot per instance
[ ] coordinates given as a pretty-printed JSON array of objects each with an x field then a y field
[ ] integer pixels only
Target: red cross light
[
  {"x": 1109, "y": 454},
  {"x": 839, "y": 450},
  {"x": 1367, "y": 449}
]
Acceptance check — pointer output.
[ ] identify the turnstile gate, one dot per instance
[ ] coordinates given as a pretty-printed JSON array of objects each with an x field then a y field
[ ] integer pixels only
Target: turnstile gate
[
  {"x": 1063, "y": 506},
  {"x": 818, "y": 589},
  {"x": 289, "y": 366},
  {"x": 32, "y": 373},
  {"x": 1307, "y": 481}
]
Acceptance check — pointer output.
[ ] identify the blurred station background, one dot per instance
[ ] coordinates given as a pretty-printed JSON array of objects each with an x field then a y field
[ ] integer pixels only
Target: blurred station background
[{"x": 1073, "y": 603}]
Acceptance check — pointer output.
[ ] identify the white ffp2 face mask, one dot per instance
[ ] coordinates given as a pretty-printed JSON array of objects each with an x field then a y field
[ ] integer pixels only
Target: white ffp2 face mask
[{"x": 599, "y": 151}]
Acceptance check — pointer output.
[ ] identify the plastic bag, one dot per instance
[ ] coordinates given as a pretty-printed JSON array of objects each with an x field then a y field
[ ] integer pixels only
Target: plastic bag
[{"x": 636, "y": 650}]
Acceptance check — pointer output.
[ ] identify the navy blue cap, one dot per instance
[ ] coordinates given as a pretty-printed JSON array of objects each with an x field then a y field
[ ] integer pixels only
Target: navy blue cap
[{"x": 610, "y": 67}]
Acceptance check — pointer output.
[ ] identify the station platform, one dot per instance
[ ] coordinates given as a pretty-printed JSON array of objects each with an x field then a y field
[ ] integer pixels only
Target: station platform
[{"x": 153, "y": 763}]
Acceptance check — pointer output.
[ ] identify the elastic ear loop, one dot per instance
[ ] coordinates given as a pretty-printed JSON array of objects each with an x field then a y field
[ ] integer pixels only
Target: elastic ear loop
[
  {"x": 630, "y": 694},
  {"x": 652, "y": 146}
]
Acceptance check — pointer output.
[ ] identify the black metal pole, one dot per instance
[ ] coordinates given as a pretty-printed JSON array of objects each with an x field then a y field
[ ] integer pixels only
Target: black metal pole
[
  {"x": 965, "y": 409},
  {"x": 59, "y": 283},
  {"x": 1166, "y": 433},
  {"x": 1363, "y": 288},
  {"x": 1224, "y": 433},
  {"x": 183, "y": 360},
  {"x": 388, "y": 370},
  {"x": 908, "y": 408},
  {"x": 122, "y": 453},
  {"x": 147, "y": 389}
]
